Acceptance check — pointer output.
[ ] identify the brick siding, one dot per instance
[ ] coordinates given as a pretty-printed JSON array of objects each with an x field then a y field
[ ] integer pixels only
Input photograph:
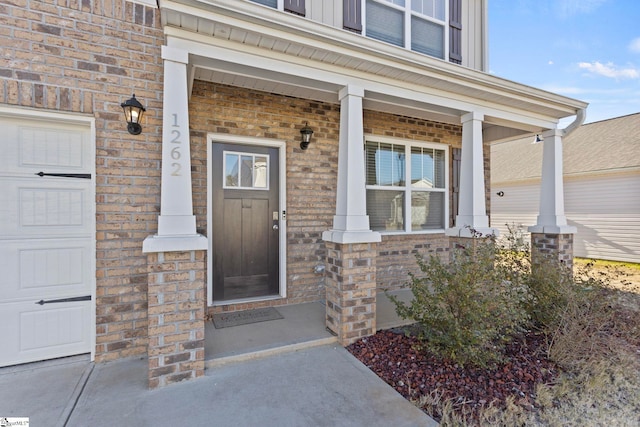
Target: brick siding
[
  {"x": 87, "y": 57},
  {"x": 397, "y": 257},
  {"x": 555, "y": 247},
  {"x": 236, "y": 111},
  {"x": 224, "y": 109},
  {"x": 351, "y": 290},
  {"x": 176, "y": 317}
]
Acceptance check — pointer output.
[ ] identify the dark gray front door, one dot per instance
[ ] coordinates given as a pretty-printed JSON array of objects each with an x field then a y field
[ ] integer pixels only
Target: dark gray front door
[{"x": 245, "y": 222}]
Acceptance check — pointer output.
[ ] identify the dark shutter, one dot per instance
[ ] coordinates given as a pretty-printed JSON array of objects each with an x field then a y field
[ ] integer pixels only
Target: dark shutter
[
  {"x": 456, "y": 154},
  {"x": 455, "y": 31},
  {"x": 295, "y": 6},
  {"x": 352, "y": 15}
]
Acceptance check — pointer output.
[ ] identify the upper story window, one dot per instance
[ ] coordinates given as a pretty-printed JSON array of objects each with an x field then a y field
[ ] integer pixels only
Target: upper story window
[
  {"x": 407, "y": 185},
  {"x": 418, "y": 25},
  {"x": 270, "y": 3},
  {"x": 293, "y": 6},
  {"x": 431, "y": 27}
]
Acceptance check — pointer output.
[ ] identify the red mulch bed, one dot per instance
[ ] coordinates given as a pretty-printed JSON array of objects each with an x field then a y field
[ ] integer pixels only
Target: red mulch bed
[{"x": 392, "y": 356}]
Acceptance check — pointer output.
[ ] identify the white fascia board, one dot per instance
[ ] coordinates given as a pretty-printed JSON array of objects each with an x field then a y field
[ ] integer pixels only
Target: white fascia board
[
  {"x": 208, "y": 47},
  {"x": 42, "y": 114},
  {"x": 272, "y": 23}
]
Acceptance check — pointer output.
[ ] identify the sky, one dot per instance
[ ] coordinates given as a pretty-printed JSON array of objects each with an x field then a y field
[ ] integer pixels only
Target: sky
[{"x": 584, "y": 49}]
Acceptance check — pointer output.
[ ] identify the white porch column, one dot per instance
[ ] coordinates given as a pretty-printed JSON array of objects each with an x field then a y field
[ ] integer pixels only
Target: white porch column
[
  {"x": 176, "y": 223},
  {"x": 472, "y": 211},
  {"x": 551, "y": 218},
  {"x": 351, "y": 222}
]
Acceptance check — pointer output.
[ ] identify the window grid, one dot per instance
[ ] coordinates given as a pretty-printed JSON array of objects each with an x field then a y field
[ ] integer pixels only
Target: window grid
[
  {"x": 415, "y": 202},
  {"x": 245, "y": 171},
  {"x": 431, "y": 15}
]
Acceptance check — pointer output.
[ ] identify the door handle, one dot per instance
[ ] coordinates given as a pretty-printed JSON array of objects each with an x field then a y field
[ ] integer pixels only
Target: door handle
[
  {"x": 73, "y": 299},
  {"x": 275, "y": 227},
  {"x": 66, "y": 175}
]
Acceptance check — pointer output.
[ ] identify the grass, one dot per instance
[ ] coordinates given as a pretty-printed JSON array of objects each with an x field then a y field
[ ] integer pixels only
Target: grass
[{"x": 606, "y": 263}]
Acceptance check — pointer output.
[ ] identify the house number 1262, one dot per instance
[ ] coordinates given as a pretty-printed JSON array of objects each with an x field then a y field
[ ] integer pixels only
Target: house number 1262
[{"x": 176, "y": 166}]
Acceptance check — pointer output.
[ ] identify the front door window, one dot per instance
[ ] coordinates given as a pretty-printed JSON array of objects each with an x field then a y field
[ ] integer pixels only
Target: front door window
[{"x": 246, "y": 170}]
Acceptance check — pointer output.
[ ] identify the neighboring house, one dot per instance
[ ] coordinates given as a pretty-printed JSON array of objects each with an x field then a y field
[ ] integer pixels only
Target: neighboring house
[
  {"x": 601, "y": 186},
  {"x": 215, "y": 206}
]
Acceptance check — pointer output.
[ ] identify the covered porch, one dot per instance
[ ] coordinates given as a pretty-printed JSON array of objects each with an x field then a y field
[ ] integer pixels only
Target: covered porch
[
  {"x": 301, "y": 326},
  {"x": 211, "y": 44}
]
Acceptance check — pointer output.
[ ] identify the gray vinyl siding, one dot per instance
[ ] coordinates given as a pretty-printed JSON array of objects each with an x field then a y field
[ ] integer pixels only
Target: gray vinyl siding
[
  {"x": 605, "y": 210},
  {"x": 326, "y": 11},
  {"x": 519, "y": 206},
  {"x": 474, "y": 35}
]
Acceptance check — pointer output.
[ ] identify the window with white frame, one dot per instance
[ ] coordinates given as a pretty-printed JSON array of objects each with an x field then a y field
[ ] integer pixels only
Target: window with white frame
[
  {"x": 270, "y": 3},
  {"x": 293, "y": 6},
  {"x": 245, "y": 171},
  {"x": 406, "y": 184},
  {"x": 419, "y": 25}
]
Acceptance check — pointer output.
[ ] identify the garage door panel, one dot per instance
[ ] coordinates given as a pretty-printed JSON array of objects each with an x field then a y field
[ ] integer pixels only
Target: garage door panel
[
  {"x": 49, "y": 147},
  {"x": 35, "y": 206},
  {"x": 33, "y": 332},
  {"x": 46, "y": 269}
]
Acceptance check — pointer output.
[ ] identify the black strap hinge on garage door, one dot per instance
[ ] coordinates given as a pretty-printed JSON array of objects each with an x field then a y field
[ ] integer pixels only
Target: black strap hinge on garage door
[
  {"x": 73, "y": 299},
  {"x": 67, "y": 175}
]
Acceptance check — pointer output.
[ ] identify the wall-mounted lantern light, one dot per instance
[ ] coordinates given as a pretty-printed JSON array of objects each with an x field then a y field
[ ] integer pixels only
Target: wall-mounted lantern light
[
  {"x": 133, "y": 112},
  {"x": 306, "y": 133}
]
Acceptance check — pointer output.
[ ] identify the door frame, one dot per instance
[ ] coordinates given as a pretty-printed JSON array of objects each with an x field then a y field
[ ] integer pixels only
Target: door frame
[
  {"x": 281, "y": 145},
  {"x": 60, "y": 118}
]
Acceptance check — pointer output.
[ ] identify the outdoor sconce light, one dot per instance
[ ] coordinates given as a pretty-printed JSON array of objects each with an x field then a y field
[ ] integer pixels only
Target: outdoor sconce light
[
  {"x": 500, "y": 193},
  {"x": 306, "y": 133},
  {"x": 133, "y": 111}
]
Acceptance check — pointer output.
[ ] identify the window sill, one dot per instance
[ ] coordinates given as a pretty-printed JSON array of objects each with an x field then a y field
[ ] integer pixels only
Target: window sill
[{"x": 409, "y": 233}]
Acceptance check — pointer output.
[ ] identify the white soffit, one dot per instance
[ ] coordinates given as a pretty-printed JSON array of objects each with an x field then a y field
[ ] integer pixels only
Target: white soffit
[{"x": 266, "y": 33}]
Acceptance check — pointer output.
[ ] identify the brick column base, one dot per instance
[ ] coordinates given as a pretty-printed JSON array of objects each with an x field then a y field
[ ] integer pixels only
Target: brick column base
[
  {"x": 557, "y": 247},
  {"x": 176, "y": 316},
  {"x": 351, "y": 290}
]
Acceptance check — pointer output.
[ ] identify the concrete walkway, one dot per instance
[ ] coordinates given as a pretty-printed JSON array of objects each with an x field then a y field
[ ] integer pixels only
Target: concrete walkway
[
  {"x": 317, "y": 386},
  {"x": 286, "y": 372}
]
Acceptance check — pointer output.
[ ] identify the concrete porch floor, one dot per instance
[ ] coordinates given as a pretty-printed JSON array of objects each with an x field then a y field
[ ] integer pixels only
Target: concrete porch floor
[
  {"x": 322, "y": 385},
  {"x": 302, "y": 326}
]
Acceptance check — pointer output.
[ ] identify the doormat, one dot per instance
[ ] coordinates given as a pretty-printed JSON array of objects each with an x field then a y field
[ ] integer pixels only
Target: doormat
[{"x": 237, "y": 318}]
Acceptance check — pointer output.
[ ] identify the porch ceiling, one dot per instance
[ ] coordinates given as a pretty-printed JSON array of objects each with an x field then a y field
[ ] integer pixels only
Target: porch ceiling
[{"x": 427, "y": 88}]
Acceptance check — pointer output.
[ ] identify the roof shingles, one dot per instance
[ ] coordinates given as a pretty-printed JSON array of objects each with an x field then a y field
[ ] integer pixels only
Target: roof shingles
[{"x": 605, "y": 146}]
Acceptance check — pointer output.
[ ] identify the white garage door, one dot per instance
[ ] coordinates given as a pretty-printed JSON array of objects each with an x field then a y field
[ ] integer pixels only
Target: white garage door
[{"x": 47, "y": 238}]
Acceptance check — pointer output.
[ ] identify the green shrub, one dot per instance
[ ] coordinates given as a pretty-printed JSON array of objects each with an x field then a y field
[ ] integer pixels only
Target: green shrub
[
  {"x": 469, "y": 308},
  {"x": 551, "y": 287},
  {"x": 559, "y": 296}
]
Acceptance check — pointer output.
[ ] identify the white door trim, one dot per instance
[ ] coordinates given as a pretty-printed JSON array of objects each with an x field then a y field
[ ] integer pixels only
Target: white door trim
[
  {"x": 77, "y": 119},
  {"x": 281, "y": 145}
]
